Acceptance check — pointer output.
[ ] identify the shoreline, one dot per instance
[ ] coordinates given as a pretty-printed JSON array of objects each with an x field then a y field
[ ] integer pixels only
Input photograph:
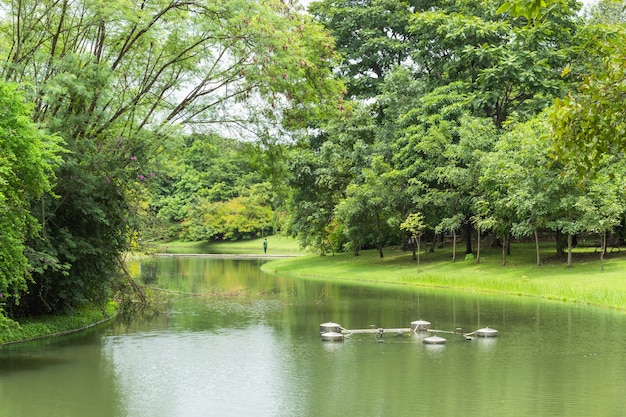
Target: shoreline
[
  {"x": 61, "y": 333},
  {"x": 228, "y": 255},
  {"x": 585, "y": 283}
]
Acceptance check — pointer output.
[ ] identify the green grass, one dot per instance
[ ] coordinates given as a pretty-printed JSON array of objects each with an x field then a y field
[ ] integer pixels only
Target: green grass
[
  {"x": 276, "y": 245},
  {"x": 45, "y": 326},
  {"x": 585, "y": 282}
]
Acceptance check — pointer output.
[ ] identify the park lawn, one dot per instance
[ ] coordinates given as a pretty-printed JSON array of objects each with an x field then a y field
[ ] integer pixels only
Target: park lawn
[
  {"x": 277, "y": 245},
  {"x": 586, "y": 282}
]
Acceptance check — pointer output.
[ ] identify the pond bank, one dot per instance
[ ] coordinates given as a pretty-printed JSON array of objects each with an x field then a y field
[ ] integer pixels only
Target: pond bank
[
  {"x": 587, "y": 282},
  {"x": 230, "y": 255},
  {"x": 34, "y": 328}
]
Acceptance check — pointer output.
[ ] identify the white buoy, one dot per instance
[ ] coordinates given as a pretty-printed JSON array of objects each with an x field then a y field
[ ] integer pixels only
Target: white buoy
[
  {"x": 330, "y": 327},
  {"x": 434, "y": 340},
  {"x": 486, "y": 332},
  {"x": 420, "y": 325},
  {"x": 332, "y": 337}
]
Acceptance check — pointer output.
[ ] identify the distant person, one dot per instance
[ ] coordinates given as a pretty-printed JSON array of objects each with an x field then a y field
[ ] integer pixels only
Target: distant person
[{"x": 264, "y": 245}]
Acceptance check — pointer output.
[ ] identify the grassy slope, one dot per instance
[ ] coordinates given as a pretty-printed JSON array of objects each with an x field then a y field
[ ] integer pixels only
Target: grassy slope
[{"x": 585, "y": 282}]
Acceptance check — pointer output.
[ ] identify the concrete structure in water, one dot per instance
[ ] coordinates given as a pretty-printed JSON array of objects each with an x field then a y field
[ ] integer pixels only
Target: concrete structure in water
[{"x": 333, "y": 332}]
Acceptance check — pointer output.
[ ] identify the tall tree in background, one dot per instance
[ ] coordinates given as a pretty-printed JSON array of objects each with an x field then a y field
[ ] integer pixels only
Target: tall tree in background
[
  {"x": 117, "y": 79},
  {"x": 373, "y": 37}
]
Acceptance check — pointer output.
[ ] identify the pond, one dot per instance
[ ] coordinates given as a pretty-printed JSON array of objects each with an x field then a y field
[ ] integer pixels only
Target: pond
[{"x": 237, "y": 342}]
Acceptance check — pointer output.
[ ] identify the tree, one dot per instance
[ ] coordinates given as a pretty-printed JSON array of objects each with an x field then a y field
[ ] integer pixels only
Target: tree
[
  {"x": 373, "y": 37},
  {"x": 200, "y": 176},
  {"x": 602, "y": 205},
  {"x": 521, "y": 182},
  {"x": 589, "y": 124},
  {"x": 608, "y": 12},
  {"x": 29, "y": 156},
  {"x": 414, "y": 224},
  {"x": 321, "y": 171},
  {"x": 507, "y": 66},
  {"x": 369, "y": 205}
]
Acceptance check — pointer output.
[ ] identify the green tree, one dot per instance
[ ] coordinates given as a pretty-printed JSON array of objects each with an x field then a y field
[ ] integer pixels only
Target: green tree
[
  {"x": 457, "y": 59},
  {"x": 608, "y": 12},
  {"x": 521, "y": 182},
  {"x": 589, "y": 123},
  {"x": 28, "y": 157},
  {"x": 321, "y": 171},
  {"x": 373, "y": 37},
  {"x": 414, "y": 224},
  {"x": 368, "y": 207},
  {"x": 602, "y": 205}
]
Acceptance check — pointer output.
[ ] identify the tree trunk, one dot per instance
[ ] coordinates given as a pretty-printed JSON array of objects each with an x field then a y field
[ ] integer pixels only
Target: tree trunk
[
  {"x": 432, "y": 247},
  {"x": 419, "y": 238},
  {"x": 569, "y": 250},
  {"x": 505, "y": 244},
  {"x": 379, "y": 236},
  {"x": 454, "y": 246},
  {"x": 602, "y": 250},
  {"x": 477, "y": 245},
  {"x": 467, "y": 230},
  {"x": 508, "y": 244},
  {"x": 468, "y": 237},
  {"x": 559, "y": 243},
  {"x": 537, "y": 247}
]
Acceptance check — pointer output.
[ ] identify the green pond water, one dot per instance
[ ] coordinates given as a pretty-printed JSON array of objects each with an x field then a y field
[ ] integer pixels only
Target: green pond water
[{"x": 237, "y": 342}]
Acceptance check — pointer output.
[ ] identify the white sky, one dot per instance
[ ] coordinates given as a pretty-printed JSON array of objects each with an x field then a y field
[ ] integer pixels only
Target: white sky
[{"x": 305, "y": 3}]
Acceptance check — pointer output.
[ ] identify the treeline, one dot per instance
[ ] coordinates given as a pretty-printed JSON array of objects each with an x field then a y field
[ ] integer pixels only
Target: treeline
[
  {"x": 469, "y": 117},
  {"x": 211, "y": 189},
  {"x": 473, "y": 118},
  {"x": 356, "y": 125}
]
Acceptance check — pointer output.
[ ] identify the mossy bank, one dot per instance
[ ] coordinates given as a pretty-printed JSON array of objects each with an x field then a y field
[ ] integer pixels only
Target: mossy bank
[{"x": 32, "y": 328}]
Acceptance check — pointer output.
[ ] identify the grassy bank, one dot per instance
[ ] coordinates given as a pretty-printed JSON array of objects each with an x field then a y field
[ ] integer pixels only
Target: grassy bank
[
  {"x": 276, "y": 245},
  {"x": 585, "y": 282},
  {"x": 39, "y": 327}
]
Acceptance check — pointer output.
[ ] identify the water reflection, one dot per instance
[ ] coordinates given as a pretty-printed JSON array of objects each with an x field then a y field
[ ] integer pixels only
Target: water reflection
[
  {"x": 236, "y": 342},
  {"x": 57, "y": 377}
]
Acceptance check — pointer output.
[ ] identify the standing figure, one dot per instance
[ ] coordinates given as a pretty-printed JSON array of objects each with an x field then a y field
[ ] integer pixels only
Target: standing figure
[{"x": 264, "y": 245}]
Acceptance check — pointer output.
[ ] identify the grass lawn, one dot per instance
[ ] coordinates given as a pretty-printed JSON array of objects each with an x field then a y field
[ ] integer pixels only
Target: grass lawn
[
  {"x": 276, "y": 245},
  {"x": 586, "y": 282}
]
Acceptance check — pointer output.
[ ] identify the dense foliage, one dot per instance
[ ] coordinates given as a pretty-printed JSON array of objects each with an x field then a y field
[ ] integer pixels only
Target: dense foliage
[
  {"x": 27, "y": 158},
  {"x": 227, "y": 120},
  {"x": 211, "y": 190},
  {"x": 453, "y": 124}
]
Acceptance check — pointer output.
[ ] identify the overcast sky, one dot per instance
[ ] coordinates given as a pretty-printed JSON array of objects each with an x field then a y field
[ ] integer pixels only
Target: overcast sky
[{"x": 305, "y": 3}]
